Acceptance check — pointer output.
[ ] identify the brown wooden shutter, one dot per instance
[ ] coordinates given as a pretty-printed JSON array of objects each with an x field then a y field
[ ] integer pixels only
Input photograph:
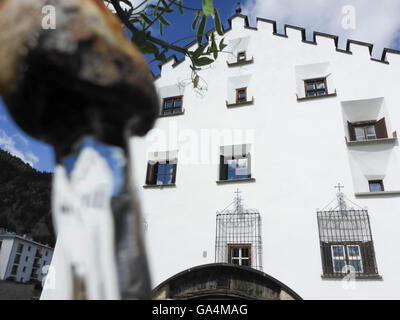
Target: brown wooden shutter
[
  {"x": 223, "y": 169},
  {"x": 326, "y": 256},
  {"x": 174, "y": 173},
  {"x": 352, "y": 131},
  {"x": 380, "y": 129},
  {"x": 151, "y": 177},
  {"x": 368, "y": 258}
]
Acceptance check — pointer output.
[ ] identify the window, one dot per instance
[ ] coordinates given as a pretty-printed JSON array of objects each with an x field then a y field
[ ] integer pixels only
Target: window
[
  {"x": 172, "y": 105},
  {"x": 376, "y": 185},
  {"x": 24, "y": 269},
  {"x": 14, "y": 270},
  {"x": 338, "y": 258},
  {"x": 1, "y": 243},
  {"x": 235, "y": 167},
  {"x": 17, "y": 258},
  {"x": 346, "y": 243},
  {"x": 161, "y": 173},
  {"x": 316, "y": 87},
  {"x": 20, "y": 247},
  {"x": 26, "y": 258},
  {"x": 29, "y": 248},
  {"x": 241, "y": 95},
  {"x": 344, "y": 256},
  {"x": 241, "y": 56},
  {"x": 239, "y": 254},
  {"x": 367, "y": 130}
]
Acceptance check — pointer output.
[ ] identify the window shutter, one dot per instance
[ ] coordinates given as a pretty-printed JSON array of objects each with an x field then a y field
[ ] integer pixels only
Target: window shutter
[
  {"x": 248, "y": 156},
  {"x": 352, "y": 131},
  {"x": 174, "y": 173},
  {"x": 368, "y": 258},
  {"x": 326, "y": 256},
  {"x": 380, "y": 129},
  {"x": 151, "y": 177},
  {"x": 223, "y": 169}
]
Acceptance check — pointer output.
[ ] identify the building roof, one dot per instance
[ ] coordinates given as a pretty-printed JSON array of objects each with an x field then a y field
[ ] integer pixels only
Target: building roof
[
  {"x": 316, "y": 34},
  {"x": 6, "y": 234}
]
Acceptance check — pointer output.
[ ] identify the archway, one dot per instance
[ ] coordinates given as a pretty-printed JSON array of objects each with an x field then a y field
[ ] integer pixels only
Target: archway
[{"x": 223, "y": 281}]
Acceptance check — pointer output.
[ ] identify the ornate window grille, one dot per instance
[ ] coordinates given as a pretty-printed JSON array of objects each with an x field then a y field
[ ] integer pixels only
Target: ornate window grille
[
  {"x": 238, "y": 236},
  {"x": 346, "y": 241}
]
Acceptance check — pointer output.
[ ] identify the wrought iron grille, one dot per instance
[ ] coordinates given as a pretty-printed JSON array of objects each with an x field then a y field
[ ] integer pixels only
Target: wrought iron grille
[
  {"x": 346, "y": 228},
  {"x": 239, "y": 228}
]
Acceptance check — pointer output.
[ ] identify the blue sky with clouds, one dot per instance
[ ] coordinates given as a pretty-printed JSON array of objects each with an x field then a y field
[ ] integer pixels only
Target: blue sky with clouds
[{"x": 376, "y": 21}]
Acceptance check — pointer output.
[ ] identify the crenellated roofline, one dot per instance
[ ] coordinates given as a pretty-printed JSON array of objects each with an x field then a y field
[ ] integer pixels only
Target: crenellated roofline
[{"x": 316, "y": 34}]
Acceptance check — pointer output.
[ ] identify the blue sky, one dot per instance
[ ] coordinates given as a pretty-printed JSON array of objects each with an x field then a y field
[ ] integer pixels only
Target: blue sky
[{"x": 376, "y": 22}]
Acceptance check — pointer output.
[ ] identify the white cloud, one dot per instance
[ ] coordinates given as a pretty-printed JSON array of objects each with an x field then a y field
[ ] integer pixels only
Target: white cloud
[
  {"x": 377, "y": 21},
  {"x": 8, "y": 143},
  {"x": 22, "y": 138}
]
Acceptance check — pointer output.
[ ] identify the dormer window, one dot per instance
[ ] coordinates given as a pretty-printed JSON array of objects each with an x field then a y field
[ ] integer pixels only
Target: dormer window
[
  {"x": 241, "y": 95},
  {"x": 316, "y": 87},
  {"x": 172, "y": 105},
  {"x": 241, "y": 56},
  {"x": 367, "y": 130}
]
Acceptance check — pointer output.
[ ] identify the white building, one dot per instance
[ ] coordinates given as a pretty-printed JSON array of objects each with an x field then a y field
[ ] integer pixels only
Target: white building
[
  {"x": 284, "y": 120},
  {"x": 21, "y": 258}
]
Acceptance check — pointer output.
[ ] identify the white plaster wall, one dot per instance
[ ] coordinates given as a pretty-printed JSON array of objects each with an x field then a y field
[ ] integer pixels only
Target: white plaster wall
[
  {"x": 7, "y": 261},
  {"x": 298, "y": 151},
  {"x": 5, "y": 252}
]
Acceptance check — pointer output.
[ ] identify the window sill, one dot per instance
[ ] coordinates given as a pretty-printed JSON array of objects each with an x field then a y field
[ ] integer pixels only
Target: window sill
[
  {"x": 357, "y": 276},
  {"x": 329, "y": 95},
  {"x": 158, "y": 186},
  {"x": 240, "y": 63},
  {"x": 236, "y": 181},
  {"x": 379, "y": 193},
  {"x": 239, "y": 104},
  {"x": 371, "y": 142},
  {"x": 172, "y": 114}
]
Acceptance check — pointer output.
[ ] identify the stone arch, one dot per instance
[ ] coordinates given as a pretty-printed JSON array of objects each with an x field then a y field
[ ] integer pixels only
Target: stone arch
[{"x": 223, "y": 281}]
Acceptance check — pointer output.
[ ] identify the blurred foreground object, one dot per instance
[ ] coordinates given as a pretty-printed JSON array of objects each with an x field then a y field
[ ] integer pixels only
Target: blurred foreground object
[{"x": 85, "y": 89}]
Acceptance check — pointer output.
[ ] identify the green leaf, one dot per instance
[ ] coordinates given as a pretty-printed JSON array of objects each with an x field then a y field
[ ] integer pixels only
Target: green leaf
[
  {"x": 146, "y": 18},
  {"x": 197, "y": 53},
  {"x": 222, "y": 45},
  {"x": 214, "y": 48},
  {"x": 208, "y": 7},
  {"x": 194, "y": 24},
  {"x": 149, "y": 47},
  {"x": 163, "y": 21},
  {"x": 218, "y": 25},
  {"x": 200, "y": 31},
  {"x": 180, "y": 6},
  {"x": 203, "y": 61}
]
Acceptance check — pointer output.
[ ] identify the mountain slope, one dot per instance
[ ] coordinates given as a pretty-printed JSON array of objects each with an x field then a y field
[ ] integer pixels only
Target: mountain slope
[{"x": 25, "y": 199}]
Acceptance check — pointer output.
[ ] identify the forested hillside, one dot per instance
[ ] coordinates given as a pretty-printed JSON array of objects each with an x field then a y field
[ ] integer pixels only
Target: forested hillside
[{"x": 25, "y": 199}]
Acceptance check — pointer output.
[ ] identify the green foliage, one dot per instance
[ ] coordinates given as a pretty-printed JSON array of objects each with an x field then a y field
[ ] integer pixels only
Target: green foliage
[
  {"x": 208, "y": 7},
  {"x": 139, "y": 20},
  {"x": 25, "y": 199}
]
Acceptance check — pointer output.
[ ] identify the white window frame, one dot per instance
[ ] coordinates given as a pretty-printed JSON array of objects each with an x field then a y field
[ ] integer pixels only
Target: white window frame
[
  {"x": 336, "y": 258},
  {"x": 240, "y": 258},
  {"x": 356, "y": 258}
]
